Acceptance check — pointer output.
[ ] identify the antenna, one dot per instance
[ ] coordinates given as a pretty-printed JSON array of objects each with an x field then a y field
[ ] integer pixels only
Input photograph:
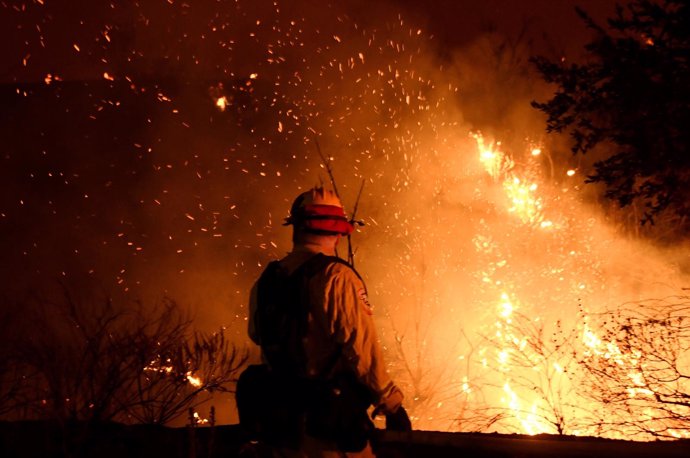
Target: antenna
[
  {"x": 327, "y": 163},
  {"x": 353, "y": 221}
]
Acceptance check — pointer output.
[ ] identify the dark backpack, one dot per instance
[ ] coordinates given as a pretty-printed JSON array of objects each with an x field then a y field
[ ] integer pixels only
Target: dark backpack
[
  {"x": 283, "y": 311},
  {"x": 271, "y": 398},
  {"x": 275, "y": 401}
]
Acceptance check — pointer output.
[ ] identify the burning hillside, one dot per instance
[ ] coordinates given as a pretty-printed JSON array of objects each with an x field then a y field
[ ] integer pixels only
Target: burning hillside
[{"x": 160, "y": 157}]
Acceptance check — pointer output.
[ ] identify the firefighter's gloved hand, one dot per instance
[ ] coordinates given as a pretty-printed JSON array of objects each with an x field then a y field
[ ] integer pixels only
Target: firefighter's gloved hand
[
  {"x": 391, "y": 407},
  {"x": 390, "y": 403},
  {"x": 398, "y": 421}
]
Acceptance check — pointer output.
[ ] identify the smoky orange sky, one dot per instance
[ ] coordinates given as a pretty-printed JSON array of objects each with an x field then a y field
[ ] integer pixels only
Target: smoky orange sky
[{"x": 44, "y": 33}]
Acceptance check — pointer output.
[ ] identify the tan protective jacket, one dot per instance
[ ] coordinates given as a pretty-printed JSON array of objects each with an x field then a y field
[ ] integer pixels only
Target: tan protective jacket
[{"x": 340, "y": 316}]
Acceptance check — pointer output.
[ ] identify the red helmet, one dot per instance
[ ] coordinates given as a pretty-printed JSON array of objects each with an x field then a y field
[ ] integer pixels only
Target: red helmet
[{"x": 319, "y": 211}]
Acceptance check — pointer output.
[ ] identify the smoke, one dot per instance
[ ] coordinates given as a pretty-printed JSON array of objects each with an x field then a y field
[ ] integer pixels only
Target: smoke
[{"x": 141, "y": 185}]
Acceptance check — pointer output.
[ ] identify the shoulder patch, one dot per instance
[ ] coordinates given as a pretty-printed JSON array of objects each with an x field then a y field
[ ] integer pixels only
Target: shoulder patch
[{"x": 364, "y": 300}]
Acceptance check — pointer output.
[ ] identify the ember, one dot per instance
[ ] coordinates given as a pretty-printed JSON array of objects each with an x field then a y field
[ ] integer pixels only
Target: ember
[{"x": 163, "y": 155}]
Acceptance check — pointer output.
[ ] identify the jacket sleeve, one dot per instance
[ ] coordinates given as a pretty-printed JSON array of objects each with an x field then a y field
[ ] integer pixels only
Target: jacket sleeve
[{"x": 351, "y": 321}]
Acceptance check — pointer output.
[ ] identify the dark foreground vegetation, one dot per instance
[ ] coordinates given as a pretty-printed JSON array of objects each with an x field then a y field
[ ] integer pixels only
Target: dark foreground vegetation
[{"x": 45, "y": 439}]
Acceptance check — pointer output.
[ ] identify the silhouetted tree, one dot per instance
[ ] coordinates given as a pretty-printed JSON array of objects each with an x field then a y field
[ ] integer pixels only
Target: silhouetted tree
[
  {"x": 99, "y": 361},
  {"x": 638, "y": 367},
  {"x": 183, "y": 375},
  {"x": 425, "y": 365},
  {"x": 15, "y": 375},
  {"x": 631, "y": 99},
  {"x": 539, "y": 373}
]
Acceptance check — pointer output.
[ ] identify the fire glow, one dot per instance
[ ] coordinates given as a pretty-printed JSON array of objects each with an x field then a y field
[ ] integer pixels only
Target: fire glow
[
  {"x": 522, "y": 193},
  {"x": 482, "y": 260},
  {"x": 538, "y": 402}
]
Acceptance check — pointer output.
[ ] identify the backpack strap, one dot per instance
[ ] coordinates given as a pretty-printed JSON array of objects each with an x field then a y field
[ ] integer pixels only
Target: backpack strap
[
  {"x": 283, "y": 312},
  {"x": 312, "y": 266}
]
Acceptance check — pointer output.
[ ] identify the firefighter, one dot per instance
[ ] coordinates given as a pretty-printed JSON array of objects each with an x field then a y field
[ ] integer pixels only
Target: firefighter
[{"x": 330, "y": 348}]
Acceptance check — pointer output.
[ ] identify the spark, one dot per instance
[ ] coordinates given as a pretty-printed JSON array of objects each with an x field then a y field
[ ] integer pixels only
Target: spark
[
  {"x": 222, "y": 103},
  {"x": 194, "y": 381},
  {"x": 389, "y": 118}
]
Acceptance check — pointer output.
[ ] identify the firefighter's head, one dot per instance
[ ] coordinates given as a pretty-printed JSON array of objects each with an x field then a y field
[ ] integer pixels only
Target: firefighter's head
[{"x": 318, "y": 212}]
